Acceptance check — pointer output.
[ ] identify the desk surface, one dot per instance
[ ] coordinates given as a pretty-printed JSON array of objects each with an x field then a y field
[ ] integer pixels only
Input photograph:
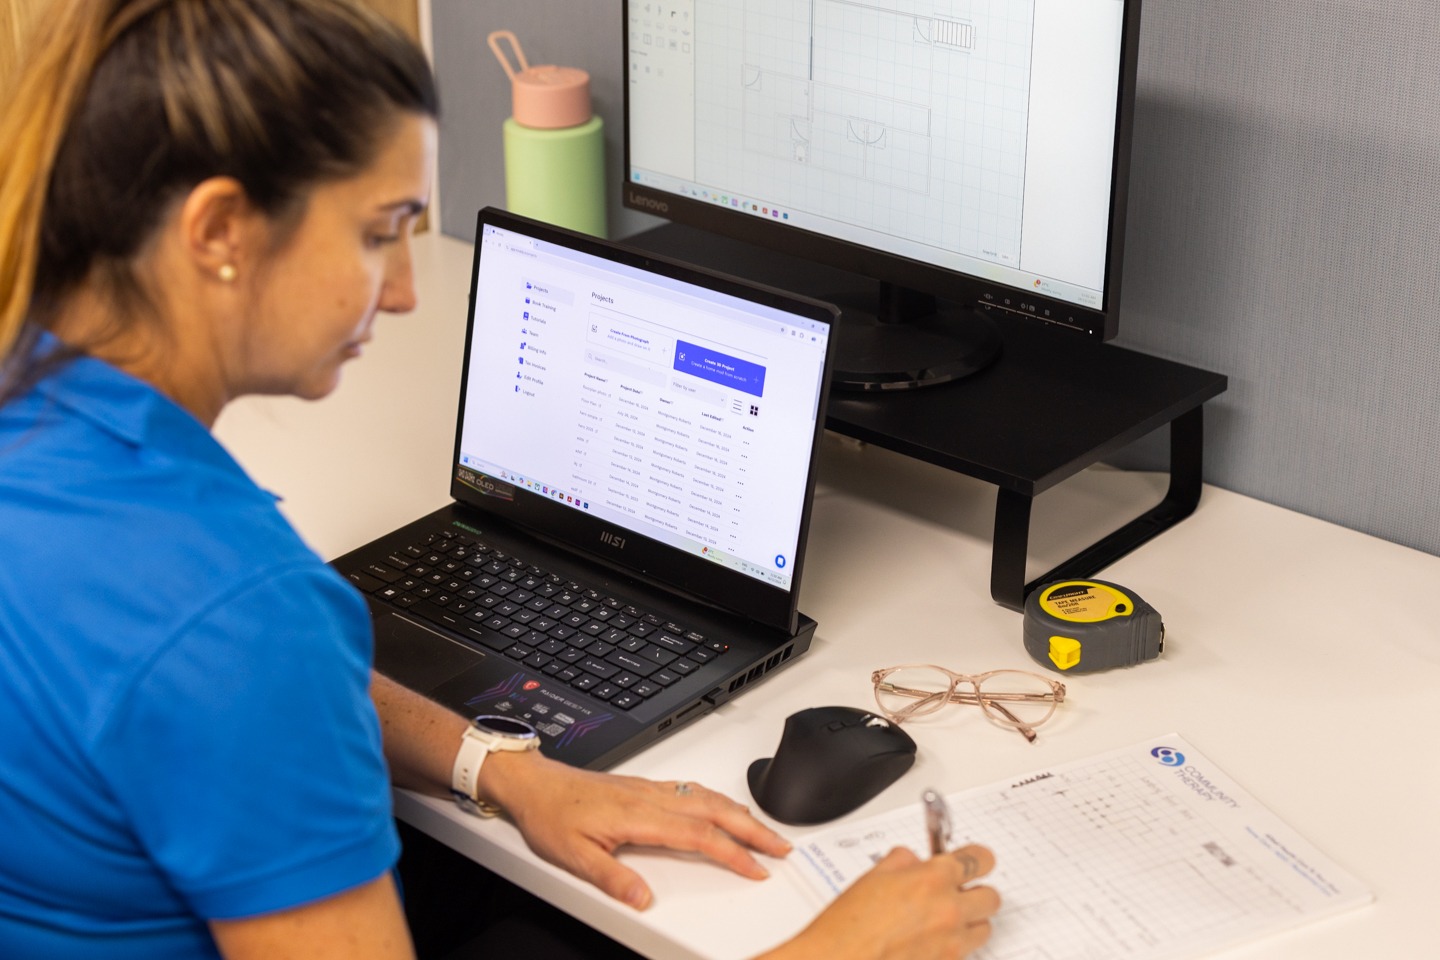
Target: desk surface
[{"x": 1302, "y": 658}]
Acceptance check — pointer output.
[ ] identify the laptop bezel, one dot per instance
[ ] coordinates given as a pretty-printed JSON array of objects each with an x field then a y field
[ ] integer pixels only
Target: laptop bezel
[{"x": 692, "y": 576}]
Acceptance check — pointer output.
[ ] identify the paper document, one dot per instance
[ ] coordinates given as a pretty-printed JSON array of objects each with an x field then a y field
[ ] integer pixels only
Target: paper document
[{"x": 1146, "y": 852}]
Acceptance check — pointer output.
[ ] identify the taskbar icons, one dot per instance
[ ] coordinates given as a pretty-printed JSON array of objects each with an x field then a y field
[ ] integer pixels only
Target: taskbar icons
[
  {"x": 758, "y": 208},
  {"x": 534, "y": 486},
  {"x": 778, "y": 576},
  {"x": 752, "y": 207}
]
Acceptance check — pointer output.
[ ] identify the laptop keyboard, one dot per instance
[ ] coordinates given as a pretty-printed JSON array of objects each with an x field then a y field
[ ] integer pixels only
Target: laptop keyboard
[{"x": 609, "y": 648}]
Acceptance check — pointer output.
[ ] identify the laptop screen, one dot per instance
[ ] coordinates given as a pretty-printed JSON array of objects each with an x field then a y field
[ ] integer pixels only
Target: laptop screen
[{"x": 668, "y": 406}]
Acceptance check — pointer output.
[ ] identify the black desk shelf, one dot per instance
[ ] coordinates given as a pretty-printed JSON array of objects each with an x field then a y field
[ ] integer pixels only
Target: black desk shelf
[
  {"x": 1052, "y": 405},
  {"x": 1049, "y": 408}
]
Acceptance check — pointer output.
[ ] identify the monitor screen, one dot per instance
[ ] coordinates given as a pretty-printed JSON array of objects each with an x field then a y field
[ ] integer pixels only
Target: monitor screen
[{"x": 971, "y": 149}]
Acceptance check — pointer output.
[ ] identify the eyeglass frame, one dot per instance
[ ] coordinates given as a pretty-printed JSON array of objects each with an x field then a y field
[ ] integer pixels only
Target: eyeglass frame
[{"x": 989, "y": 703}]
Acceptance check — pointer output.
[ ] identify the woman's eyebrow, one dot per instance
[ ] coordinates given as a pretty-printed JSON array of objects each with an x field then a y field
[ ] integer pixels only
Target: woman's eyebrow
[{"x": 408, "y": 205}]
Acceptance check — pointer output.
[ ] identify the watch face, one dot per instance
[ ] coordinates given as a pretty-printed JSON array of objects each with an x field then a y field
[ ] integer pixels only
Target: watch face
[{"x": 505, "y": 726}]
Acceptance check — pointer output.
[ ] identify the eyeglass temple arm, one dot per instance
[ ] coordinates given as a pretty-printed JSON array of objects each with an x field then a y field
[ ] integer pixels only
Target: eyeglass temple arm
[{"x": 1023, "y": 728}]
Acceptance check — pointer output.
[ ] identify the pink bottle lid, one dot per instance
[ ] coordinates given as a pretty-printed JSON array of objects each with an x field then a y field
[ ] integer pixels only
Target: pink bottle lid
[{"x": 545, "y": 97}]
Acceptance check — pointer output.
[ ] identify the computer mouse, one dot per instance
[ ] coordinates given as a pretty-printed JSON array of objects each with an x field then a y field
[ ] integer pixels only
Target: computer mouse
[{"x": 830, "y": 760}]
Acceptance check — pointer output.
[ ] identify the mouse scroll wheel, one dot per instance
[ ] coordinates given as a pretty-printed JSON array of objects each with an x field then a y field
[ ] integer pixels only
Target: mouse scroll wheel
[{"x": 877, "y": 722}]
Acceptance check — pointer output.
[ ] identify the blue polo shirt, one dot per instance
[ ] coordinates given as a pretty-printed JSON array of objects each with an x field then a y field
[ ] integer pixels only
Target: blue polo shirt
[{"x": 185, "y": 727}]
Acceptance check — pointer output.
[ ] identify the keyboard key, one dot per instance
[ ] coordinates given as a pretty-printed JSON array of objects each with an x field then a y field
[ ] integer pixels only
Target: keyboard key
[
  {"x": 664, "y": 677},
  {"x": 604, "y": 691},
  {"x": 645, "y": 688},
  {"x": 599, "y": 667},
  {"x": 625, "y": 700},
  {"x": 381, "y": 572},
  {"x": 585, "y": 682},
  {"x": 632, "y": 663},
  {"x": 671, "y": 642},
  {"x": 658, "y": 655},
  {"x": 684, "y": 667}
]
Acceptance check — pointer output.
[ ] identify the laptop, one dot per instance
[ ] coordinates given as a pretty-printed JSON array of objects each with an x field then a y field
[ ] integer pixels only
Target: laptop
[{"x": 631, "y": 487}]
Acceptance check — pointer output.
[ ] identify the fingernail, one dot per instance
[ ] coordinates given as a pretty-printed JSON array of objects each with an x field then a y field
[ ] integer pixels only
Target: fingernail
[{"x": 638, "y": 897}]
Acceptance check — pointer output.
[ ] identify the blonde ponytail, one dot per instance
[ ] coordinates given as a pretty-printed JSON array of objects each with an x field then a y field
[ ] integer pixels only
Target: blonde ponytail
[{"x": 49, "y": 80}]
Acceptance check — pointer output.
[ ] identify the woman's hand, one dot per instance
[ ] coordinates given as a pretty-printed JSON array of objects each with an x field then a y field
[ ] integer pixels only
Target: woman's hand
[
  {"x": 576, "y": 819},
  {"x": 904, "y": 908}
]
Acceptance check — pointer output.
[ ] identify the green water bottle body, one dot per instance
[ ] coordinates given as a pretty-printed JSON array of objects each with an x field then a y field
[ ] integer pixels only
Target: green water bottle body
[{"x": 557, "y": 176}]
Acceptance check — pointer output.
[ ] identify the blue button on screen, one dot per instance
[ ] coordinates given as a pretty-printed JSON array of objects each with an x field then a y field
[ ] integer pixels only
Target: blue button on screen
[{"x": 720, "y": 368}]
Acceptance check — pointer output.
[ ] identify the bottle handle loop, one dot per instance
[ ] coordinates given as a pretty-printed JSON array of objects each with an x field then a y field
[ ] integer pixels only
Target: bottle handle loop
[{"x": 494, "y": 41}]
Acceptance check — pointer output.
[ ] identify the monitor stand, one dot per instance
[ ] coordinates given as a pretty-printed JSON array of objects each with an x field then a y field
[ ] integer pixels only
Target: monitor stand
[
  {"x": 1054, "y": 404},
  {"x": 907, "y": 340}
]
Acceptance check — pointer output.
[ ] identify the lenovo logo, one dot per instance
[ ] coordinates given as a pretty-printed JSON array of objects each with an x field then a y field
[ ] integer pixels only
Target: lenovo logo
[
  {"x": 648, "y": 203},
  {"x": 610, "y": 539}
]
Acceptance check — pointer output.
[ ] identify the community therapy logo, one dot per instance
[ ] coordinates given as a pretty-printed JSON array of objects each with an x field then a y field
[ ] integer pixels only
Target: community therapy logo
[{"x": 1168, "y": 756}]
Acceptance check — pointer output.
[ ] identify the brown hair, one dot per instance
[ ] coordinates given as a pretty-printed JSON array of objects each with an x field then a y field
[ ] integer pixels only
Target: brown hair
[{"x": 123, "y": 106}]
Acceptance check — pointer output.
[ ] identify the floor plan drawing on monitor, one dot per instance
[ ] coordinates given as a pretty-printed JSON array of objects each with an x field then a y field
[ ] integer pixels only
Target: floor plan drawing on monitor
[{"x": 913, "y": 115}]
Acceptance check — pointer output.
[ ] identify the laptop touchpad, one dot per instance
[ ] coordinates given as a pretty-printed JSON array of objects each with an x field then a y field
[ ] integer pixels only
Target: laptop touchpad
[{"x": 416, "y": 656}]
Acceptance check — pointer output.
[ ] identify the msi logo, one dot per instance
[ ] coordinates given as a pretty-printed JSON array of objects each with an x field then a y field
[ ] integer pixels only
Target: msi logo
[{"x": 609, "y": 538}]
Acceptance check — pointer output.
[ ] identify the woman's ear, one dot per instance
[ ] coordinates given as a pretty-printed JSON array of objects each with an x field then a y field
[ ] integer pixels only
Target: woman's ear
[{"x": 217, "y": 226}]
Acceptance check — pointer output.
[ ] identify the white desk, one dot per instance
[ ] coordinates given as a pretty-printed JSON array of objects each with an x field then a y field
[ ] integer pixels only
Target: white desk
[{"x": 1302, "y": 658}]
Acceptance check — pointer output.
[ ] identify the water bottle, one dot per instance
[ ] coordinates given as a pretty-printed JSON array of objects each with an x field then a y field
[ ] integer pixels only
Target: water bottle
[{"x": 554, "y": 144}]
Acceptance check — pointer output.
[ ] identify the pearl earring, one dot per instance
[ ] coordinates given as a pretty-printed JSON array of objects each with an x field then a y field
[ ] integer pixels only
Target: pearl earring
[{"x": 227, "y": 272}]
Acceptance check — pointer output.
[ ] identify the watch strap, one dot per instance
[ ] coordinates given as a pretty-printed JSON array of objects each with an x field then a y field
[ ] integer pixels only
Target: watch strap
[{"x": 465, "y": 776}]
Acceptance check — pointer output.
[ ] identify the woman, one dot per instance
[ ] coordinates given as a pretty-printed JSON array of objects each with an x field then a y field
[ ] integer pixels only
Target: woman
[{"x": 203, "y": 199}]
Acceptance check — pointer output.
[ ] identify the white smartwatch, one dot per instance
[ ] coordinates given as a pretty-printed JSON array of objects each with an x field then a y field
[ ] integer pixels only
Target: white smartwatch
[{"x": 486, "y": 735}]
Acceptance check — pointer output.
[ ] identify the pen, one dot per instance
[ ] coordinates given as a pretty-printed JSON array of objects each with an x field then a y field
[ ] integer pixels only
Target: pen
[{"x": 937, "y": 821}]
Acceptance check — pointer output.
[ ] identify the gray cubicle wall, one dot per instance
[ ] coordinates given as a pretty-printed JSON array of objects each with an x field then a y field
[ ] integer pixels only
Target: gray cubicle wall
[{"x": 1284, "y": 226}]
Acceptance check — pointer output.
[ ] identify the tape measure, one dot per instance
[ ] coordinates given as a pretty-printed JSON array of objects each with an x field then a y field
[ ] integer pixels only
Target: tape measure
[{"x": 1080, "y": 626}]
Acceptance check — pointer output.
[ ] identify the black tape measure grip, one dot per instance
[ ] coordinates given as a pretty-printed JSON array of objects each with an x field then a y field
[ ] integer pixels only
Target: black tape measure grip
[{"x": 1080, "y": 626}]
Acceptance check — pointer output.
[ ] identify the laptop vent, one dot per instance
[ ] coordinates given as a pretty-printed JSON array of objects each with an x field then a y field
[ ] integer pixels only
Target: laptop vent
[{"x": 760, "y": 669}]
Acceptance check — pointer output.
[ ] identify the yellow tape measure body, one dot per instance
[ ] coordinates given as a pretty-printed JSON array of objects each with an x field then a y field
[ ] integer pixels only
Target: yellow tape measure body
[{"x": 1079, "y": 626}]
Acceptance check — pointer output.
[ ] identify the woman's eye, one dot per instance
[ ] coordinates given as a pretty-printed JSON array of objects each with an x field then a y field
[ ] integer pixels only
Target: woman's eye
[{"x": 381, "y": 239}]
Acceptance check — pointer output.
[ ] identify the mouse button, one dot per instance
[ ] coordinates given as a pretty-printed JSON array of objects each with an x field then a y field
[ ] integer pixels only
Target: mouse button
[{"x": 835, "y": 725}]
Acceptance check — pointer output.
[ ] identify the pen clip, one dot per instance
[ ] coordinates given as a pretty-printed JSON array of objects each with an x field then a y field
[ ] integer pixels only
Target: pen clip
[{"x": 937, "y": 821}]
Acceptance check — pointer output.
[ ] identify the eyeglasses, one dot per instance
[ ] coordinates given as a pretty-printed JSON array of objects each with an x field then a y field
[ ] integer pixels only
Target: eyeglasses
[{"x": 1013, "y": 698}]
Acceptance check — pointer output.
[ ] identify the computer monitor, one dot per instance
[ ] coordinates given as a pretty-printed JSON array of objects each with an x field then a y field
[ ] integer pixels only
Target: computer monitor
[{"x": 974, "y": 151}]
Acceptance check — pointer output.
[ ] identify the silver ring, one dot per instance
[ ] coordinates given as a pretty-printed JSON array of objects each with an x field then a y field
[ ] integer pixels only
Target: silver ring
[{"x": 682, "y": 789}]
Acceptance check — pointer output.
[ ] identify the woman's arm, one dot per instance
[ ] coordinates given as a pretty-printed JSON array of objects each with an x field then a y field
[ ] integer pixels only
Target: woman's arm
[{"x": 363, "y": 923}]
